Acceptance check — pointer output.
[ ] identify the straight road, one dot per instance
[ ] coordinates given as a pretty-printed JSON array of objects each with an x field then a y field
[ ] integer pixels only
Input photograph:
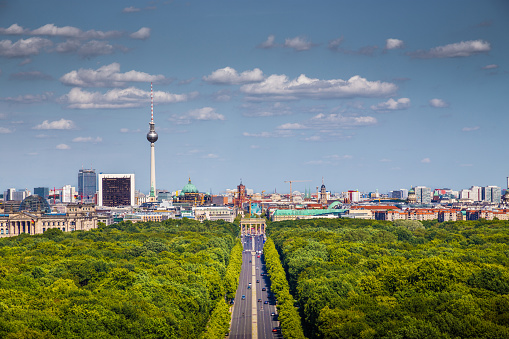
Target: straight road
[{"x": 253, "y": 318}]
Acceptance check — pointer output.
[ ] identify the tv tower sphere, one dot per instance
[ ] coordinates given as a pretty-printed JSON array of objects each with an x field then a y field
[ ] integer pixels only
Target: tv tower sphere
[{"x": 152, "y": 134}]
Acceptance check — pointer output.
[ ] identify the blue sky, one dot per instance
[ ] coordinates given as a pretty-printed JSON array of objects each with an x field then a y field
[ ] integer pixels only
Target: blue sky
[{"x": 367, "y": 94}]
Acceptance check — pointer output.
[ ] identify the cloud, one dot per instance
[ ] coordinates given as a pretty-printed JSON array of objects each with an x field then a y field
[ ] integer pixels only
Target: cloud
[
  {"x": 298, "y": 43},
  {"x": 32, "y": 75},
  {"x": 334, "y": 44},
  {"x": 313, "y": 138},
  {"x": 13, "y": 29},
  {"x": 279, "y": 87},
  {"x": 210, "y": 156},
  {"x": 29, "y": 98},
  {"x": 470, "y": 129},
  {"x": 87, "y": 139},
  {"x": 392, "y": 105},
  {"x": 394, "y": 44},
  {"x": 292, "y": 126},
  {"x": 492, "y": 66},
  {"x": 269, "y": 43},
  {"x": 229, "y": 76},
  {"x": 73, "y": 32},
  {"x": 275, "y": 134},
  {"x": 459, "y": 49},
  {"x": 202, "y": 114},
  {"x": 385, "y": 160},
  {"x": 119, "y": 98},
  {"x": 63, "y": 146},
  {"x": 222, "y": 96},
  {"x": 95, "y": 48},
  {"x": 339, "y": 157},
  {"x": 334, "y": 120},
  {"x": 5, "y": 130},
  {"x": 57, "y": 124},
  {"x": 107, "y": 76},
  {"x": 142, "y": 34},
  {"x": 426, "y": 160},
  {"x": 438, "y": 103},
  {"x": 23, "y": 47},
  {"x": 131, "y": 9},
  {"x": 258, "y": 110}
]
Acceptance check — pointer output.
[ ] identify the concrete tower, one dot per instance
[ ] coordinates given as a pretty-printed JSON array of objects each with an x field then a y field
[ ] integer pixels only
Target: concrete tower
[{"x": 152, "y": 138}]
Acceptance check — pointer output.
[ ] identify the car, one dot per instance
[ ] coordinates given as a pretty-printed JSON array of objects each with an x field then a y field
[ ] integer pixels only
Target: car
[
  {"x": 275, "y": 329},
  {"x": 266, "y": 302},
  {"x": 243, "y": 297},
  {"x": 264, "y": 289},
  {"x": 257, "y": 280},
  {"x": 259, "y": 300},
  {"x": 248, "y": 287},
  {"x": 232, "y": 301},
  {"x": 249, "y": 260},
  {"x": 258, "y": 255},
  {"x": 273, "y": 314}
]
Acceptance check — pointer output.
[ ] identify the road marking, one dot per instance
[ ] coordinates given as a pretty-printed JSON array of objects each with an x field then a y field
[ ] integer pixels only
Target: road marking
[{"x": 254, "y": 326}]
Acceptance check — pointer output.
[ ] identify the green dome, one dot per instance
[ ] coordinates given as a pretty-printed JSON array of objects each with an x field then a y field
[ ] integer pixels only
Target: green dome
[{"x": 189, "y": 188}]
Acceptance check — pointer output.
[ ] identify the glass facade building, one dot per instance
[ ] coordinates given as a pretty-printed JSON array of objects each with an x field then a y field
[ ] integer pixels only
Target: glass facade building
[{"x": 87, "y": 185}]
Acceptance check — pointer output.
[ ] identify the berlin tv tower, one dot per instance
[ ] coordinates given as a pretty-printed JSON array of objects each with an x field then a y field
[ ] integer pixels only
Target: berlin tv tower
[{"x": 152, "y": 138}]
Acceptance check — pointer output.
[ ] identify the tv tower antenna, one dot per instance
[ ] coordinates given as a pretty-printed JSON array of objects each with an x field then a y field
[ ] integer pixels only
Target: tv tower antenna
[{"x": 152, "y": 138}]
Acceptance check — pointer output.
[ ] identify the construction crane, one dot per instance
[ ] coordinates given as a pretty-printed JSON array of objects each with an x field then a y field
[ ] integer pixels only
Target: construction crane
[{"x": 291, "y": 192}]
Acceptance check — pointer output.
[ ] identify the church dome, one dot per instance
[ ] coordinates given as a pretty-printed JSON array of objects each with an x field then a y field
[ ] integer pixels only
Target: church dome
[{"x": 189, "y": 188}]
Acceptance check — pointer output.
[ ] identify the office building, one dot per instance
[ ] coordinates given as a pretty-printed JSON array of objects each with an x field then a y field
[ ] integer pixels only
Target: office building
[
  {"x": 491, "y": 194},
  {"x": 87, "y": 185},
  {"x": 43, "y": 192},
  {"x": 116, "y": 190},
  {"x": 422, "y": 195}
]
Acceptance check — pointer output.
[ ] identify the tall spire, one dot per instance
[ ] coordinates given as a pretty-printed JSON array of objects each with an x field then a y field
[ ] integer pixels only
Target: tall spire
[{"x": 152, "y": 138}]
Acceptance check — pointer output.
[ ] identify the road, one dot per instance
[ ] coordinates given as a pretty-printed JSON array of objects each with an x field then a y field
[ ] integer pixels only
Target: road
[{"x": 251, "y": 318}]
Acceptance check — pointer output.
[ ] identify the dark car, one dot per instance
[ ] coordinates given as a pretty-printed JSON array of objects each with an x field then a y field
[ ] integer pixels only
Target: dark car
[
  {"x": 264, "y": 289},
  {"x": 243, "y": 297},
  {"x": 257, "y": 281},
  {"x": 266, "y": 302},
  {"x": 259, "y": 300},
  {"x": 273, "y": 314}
]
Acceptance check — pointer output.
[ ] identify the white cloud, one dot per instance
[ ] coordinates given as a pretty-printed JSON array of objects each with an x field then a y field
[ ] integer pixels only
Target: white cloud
[
  {"x": 73, "y": 32},
  {"x": 229, "y": 76},
  {"x": 269, "y": 43},
  {"x": 13, "y": 29},
  {"x": 131, "y": 9},
  {"x": 5, "y": 130},
  {"x": 459, "y": 49},
  {"x": 203, "y": 114},
  {"x": 492, "y": 66},
  {"x": 210, "y": 156},
  {"x": 438, "y": 103},
  {"x": 63, "y": 146},
  {"x": 298, "y": 43},
  {"x": 292, "y": 126},
  {"x": 426, "y": 160},
  {"x": 23, "y": 47},
  {"x": 119, "y": 98},
  {"x": 334, "y": 120},
  {"x": 107, "y": 76},
  {"x": 266, "y": 110},
  {"x": 334, "y": 44},
  {"x": 279, "y": 87},
  {"x": 29, "y": 98},
  {"x": 385, "y": 160},
  {"x": 141, "y": 34},
  {"x": 339, "y": 157},
  {"x": 470, "y": 129},
  {"x": 94, "y": 48},
  {"x": 393, "y": 44},
  {"x": 392, "y": 105},
  {"x": 313, "y": 138},
  {"x": 275, "y": 134},
  {"x": 124, "y": 130},
  {"x": 57, "y": 124},
  {"x": 87, "y": 139}
]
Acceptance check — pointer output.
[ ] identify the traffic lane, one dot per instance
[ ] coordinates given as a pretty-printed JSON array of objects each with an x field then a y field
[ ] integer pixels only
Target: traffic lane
[
  {"x": 241, "y": 318},
  {"x": 266, "y": 322}
]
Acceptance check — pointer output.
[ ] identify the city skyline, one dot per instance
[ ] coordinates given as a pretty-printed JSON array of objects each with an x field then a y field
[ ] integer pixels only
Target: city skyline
[{"x": 368, "y": 95}]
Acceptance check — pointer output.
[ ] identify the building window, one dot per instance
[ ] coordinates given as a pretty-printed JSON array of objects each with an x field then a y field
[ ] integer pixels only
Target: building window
[
  {"x": 63, "y": 229},
  {"x": 6, "y": 231},
  {"x": 2, "y": 231},
  {"x": 43, "y": 229}
]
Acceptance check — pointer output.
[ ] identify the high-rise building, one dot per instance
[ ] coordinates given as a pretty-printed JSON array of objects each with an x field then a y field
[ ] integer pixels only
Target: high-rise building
[
  {"x": 491, "y": 194},
  {"x": 9, "y": 194},
  {"x": 423, "y": 195},
  {"x": 67, "y": 195},
  {"x": 43, "y": 192},
  {"x": 116, "y": 190},
  {"x": 87, "y": 185},
  {"x": 152, "y": 138}
]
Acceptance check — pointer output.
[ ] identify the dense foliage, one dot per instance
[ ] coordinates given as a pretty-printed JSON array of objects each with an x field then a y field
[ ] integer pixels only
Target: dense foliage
[
  {"x": 289, "y": 318},
  {"x": 374, "y": 279},
  {"x": 144, "y": 280}
]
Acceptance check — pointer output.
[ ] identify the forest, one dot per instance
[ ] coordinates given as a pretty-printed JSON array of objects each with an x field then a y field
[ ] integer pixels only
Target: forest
[
  {"x": 403, "y": 279},
  {"x": 143, "y": 280}
]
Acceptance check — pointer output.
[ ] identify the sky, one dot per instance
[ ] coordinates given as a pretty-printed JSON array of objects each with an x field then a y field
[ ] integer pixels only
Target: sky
[{"x": 364, "y": 94}]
